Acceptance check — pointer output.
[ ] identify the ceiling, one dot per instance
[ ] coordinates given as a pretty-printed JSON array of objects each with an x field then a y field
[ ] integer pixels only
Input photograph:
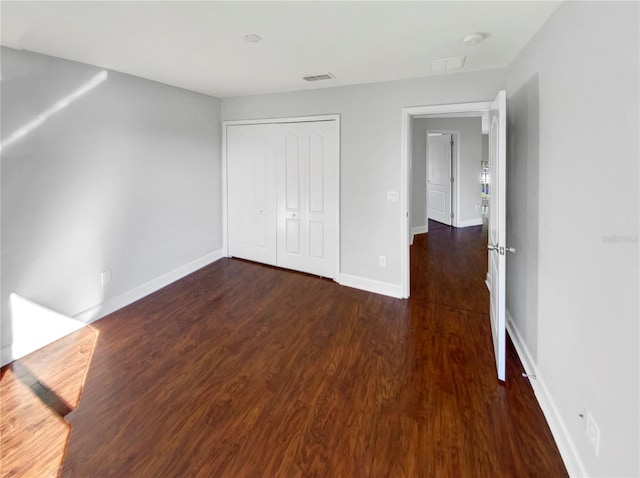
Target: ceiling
[{"x": 200, "y": 45}]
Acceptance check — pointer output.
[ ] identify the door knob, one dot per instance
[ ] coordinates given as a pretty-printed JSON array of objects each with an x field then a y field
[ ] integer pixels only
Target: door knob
[{"x": 501, "y": 249}]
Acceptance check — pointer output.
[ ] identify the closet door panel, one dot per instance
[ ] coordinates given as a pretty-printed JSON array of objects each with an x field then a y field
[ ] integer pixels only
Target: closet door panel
[
  {"x": 251, "y": 194},
  {"x": 312, "y": 148},
  {"x": 283, "y": 195}
]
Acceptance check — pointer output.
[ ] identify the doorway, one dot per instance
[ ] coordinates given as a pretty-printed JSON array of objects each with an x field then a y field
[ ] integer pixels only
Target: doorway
[
  {"x": 409, "y": 116},
  {"x": 495, "y": 113}
]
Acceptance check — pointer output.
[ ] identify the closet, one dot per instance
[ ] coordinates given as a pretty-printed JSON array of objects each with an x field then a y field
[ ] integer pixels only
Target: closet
[{"x": 283, "y": 194}]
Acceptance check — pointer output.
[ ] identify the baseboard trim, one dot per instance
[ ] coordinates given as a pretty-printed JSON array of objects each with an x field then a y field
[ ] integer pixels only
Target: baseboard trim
[
  {"x": 105, "y": 308},
  {"x": 418, "y": 230},
  {"x": 109, "y": 306},
  {"x": 559, "y": 430},
  {"x": 370, "y": 285},
  {"x": 470, "y": 222}
]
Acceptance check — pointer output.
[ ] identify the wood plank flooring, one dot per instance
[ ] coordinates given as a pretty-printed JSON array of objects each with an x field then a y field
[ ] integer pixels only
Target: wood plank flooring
[{"x": 244, "y": 370}]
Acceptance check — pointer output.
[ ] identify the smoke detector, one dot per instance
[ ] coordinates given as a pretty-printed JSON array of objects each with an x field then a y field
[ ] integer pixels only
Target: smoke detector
[{"x": 474, "y": 38}]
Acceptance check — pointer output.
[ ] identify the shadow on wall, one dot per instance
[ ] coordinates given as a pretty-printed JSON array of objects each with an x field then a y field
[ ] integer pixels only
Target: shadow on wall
[{"x": 523, "y": 164}]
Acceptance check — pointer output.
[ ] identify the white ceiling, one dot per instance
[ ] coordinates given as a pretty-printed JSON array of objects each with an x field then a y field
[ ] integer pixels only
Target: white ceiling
[{"x": 199, "y": 45}]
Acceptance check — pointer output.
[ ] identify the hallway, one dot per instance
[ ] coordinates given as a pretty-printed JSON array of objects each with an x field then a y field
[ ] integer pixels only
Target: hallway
[{"x": 449, "y": 266}]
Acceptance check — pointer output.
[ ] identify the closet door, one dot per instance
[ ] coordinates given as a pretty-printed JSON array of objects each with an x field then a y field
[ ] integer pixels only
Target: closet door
[
  {"x": 308, "y": 197},
  {"x": 251, "y": 192}
]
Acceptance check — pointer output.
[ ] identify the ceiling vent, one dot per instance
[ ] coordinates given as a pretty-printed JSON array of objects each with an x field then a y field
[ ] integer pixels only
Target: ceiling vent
[
  {"x": 448, "y": 64},
  {"x": 324, "y": 76}
]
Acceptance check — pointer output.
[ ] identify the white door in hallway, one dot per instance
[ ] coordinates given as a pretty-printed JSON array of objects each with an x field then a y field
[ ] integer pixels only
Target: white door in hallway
[
  {"x": 496, "y": 275},
  {"x": 439, "y": 177},
  {"x": 251, "y": 193},
  {"x": 283, "y": 194},
  {"x": 307, "y": 159}
]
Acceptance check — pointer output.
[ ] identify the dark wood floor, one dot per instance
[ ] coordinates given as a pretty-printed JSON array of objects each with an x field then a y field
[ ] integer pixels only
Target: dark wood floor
[{"x": 243, "y": 370}]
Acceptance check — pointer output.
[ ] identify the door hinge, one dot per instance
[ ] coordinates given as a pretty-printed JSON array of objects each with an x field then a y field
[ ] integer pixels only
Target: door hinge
[
  {"x": 451, "y": 143},
  {"x": 451, "y": 179},
  {"x": 451, "y": 215}
]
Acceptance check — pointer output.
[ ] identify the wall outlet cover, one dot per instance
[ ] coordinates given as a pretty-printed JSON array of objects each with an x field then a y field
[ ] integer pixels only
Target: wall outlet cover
[
  {"x": 593, "y": 433},
  {"x": 105, "y": 277}
]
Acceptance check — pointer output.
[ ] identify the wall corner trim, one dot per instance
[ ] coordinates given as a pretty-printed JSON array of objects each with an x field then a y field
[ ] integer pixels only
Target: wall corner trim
[
  {"x": 566, "y": 446},
  {"x": 371, "y": 285}
]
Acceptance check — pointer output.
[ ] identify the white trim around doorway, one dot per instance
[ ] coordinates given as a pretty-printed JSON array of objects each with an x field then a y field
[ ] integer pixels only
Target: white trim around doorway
[{"x": 405, "y": 174}]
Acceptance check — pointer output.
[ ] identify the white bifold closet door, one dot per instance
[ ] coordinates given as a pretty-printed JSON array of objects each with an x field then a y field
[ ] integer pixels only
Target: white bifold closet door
[
  {"x": 283, "y": 193},
  {"x": 251, "y": 192}
]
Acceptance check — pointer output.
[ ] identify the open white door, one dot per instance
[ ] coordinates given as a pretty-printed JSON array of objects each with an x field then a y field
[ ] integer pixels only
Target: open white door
[{"x": 496, "y": 279}]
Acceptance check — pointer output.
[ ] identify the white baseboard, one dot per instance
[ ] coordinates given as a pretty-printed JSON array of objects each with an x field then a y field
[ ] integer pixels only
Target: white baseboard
[
  {"x": 418, "y": 230},
  {"x": 105, "y": 308},
  {"x": 565, "y": 444},
  {"x": 370, "y": 285},
  {"x": 470, "y": 222},
  {"x": 8, "y": 354}
]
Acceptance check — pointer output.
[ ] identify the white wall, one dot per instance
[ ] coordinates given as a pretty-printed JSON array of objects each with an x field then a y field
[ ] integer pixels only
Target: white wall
[
  {"x": 125, "y": 177},
  {"x": 468, "y": 177},
  {"x": 573, "y": 217},
  {"x": 370, "y": 153}
]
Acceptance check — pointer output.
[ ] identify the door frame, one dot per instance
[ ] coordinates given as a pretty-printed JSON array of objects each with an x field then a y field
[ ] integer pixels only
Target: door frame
[
  {"x": 455, "y": 192},
  {"x": 289, "y": 119},
  {"x": 405, "y": 175}
]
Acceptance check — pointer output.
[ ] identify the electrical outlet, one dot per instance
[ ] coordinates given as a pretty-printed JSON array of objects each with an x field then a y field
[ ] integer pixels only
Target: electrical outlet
[
  {"x": 105, "y": 277},
  {"x": 383, "y": 261},
  {"x": 392, "y": 196},
  {"x": 593, "y": 433}
]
